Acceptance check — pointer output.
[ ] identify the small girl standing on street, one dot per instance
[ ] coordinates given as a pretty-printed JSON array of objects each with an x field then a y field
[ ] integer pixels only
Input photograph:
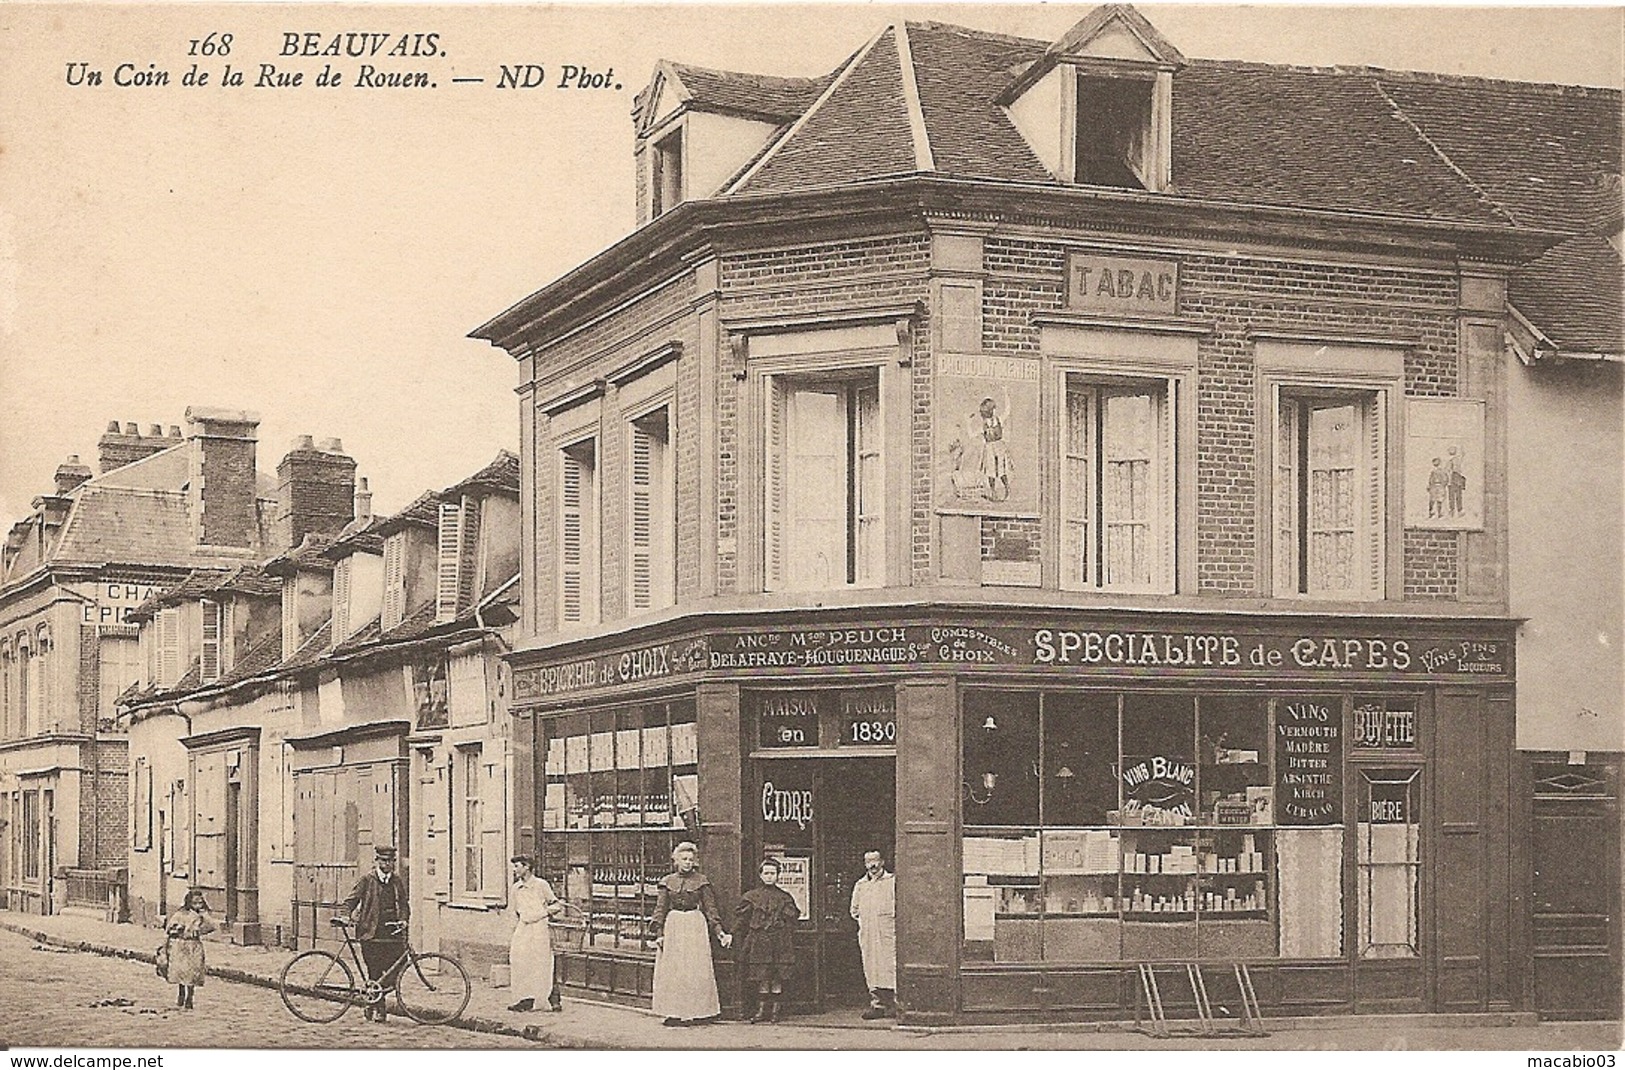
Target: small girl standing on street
[
  {"x": 184, "y": 931},
  {"x": 766, "y": 928}
]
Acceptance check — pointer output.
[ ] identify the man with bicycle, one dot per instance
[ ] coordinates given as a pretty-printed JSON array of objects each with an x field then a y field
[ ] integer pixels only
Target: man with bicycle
[{"x": 379, "y": 908}]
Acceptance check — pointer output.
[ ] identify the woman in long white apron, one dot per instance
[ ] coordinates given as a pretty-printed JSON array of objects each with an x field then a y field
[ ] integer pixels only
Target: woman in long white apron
[
  {"x": 686, "y": 917},
  {"x": 530, "y": 953}
]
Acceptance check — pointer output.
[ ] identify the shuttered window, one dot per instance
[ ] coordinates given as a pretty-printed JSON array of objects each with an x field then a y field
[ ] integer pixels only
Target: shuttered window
[
  {"x": 473, "y": 824},
  {"x": 650, "y": 520},
  {"x": 578, "y": 534},
  {"x": 209, "y": 649},
  {"x": 1117, "y": 486},
  {"x": 290, "y": 616},
  {"x": 394, "y": 608},
  {"x": 825, "y": 487},
  {"x": 450, "y": 549},
  {"x": 169, "y": 646},
  {"x": 342, "y": 573},
  {"x": 1329, "y": 515}
]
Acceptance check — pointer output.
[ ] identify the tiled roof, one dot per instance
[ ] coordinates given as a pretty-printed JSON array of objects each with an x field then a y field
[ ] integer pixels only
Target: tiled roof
[
  {"x": 424, "y": 511},
  {"x": 259, "y": 658},
  {"x": 358, "y": 535},
  {"x": 1572, "y": 294},
  {"x": 312, "y": 650},
  {"x": 1475, "y": 151},
  {"x": 859, "y": 131},
  {"x": 119, "y": 523},
  {"x": 501, "y": 475},
  {"x": 309, "y": 554},
  {"x": 197, "y": 583},
  {"x": 762, "y": 95}
]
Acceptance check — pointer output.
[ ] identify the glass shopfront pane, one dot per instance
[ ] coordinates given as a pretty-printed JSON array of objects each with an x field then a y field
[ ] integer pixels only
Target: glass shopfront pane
[
  {"x": 1000, "y": 784},
  {"x": 1079, "y": 757},
  {"x": 1002, "y": 897},
  {"x": 1161, "y": 887},
  {"x": 1081, "y": 898},
  {"x": 1388, "y": 843},
  {"x": 1234, "y": 760},
  {"x": 1159, "y": 751}
]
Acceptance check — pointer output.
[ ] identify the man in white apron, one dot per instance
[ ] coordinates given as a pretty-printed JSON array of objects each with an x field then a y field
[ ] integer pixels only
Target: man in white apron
[
  {"x": 530, "y": 955},
  {"x": 874, "y": 905}
]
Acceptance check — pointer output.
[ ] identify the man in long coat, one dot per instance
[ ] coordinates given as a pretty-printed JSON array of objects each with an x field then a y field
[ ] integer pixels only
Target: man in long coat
[
  {"x": 379, "y": 908},
  {"x": 874, "y": 905}
]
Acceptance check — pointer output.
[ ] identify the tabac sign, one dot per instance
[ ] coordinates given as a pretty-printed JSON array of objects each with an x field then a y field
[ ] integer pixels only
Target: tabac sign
[{"x": 1117, "y": 284}]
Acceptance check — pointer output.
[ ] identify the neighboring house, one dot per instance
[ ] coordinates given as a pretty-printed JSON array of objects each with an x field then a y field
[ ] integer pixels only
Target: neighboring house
[
  {"x": 160, "y": 506},
  {"x": 1017, "y": 456},
  {"x": 370, "y": 713}
]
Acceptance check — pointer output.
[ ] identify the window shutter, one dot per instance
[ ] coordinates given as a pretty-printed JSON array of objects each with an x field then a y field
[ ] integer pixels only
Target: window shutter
[
  {"x": 209, "y": 654},
  {"x": 777, "y": 411},
  {"x": 181, "y": 811},
  {"x": 1077, "y": 490},
  {"x": 446, "y": 575},
  {"x": 571, "y": 539},
  {"x": 141, "y": 839},
  {"x": 169, "y": 646},
  {"x": 1286, "y": 495},
  {"x": 1167, "y": 524},
  {"x": 341, "y": 599},
  {"x": 816, "y": 489},
  {"x": 640, "y": 536},
  {"x": 1375, "y": 487},
  {"x": 871, "y": 475},
  {"x": 468, "y": 556},
  {"x": 394, "y": 583},
  {"x": 290, "y": 617},
  {"x": 493, "y": 814}
]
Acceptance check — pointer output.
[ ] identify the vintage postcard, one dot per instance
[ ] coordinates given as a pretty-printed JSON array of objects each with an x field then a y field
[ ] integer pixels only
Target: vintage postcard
[{"x": 885, "y": 528}]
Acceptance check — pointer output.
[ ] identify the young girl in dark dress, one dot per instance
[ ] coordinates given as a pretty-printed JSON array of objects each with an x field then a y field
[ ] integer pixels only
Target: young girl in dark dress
[{"x": 765, "y": 928}]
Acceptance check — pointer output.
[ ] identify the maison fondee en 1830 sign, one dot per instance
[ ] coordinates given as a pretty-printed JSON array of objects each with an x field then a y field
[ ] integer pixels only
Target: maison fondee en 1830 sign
[{"x": 1074, "y": 649}]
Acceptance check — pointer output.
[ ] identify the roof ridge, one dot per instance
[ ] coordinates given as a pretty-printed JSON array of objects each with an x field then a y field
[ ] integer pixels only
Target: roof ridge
[
  {"x": 823, "y": 98},
  {"x": 1438, "y": 150},
  {"x": 918, "y": 132},
  {"x": 1355, "y": 70},
  {"x": 986, "y": 35},
  {"x": 679, "y": 67}
]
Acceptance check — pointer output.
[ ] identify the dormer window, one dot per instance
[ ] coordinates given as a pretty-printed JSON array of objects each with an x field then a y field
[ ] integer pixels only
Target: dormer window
[
  {"x": 1114, "y": 136},
  {"x": 667, "y": 181}
]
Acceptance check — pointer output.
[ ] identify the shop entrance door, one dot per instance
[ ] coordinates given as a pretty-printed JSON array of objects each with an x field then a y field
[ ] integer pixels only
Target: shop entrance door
[{"x": 819, "y": 815}]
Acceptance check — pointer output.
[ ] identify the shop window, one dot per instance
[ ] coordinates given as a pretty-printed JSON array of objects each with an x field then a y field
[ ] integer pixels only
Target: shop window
[
  {"x": 578, "y": 533},
  {"x": 1117, "y": 486},
  {"x": 1114, "y": 136},
  {"x": 1329, "y": 515},
  {"x": 621, "y": 788},
  {"x": 825, "y": 483},
  {"x": 651, "y": 517},
  {"x": 1106, "y": 826},
  {"x": 1388, "y": 862}
]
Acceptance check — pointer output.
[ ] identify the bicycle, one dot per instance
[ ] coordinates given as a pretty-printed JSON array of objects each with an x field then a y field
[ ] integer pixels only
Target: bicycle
[{"x": 319, "y": 986}]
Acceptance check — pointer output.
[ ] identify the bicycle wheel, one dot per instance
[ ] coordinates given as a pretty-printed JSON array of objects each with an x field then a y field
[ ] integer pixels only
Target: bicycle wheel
[
  {"x": 433, "y": 990},
  {"x": 317, "y": 986}
]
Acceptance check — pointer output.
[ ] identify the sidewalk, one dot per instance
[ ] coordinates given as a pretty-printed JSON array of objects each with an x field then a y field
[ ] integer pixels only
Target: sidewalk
[{"x": 599, "y": 1026}]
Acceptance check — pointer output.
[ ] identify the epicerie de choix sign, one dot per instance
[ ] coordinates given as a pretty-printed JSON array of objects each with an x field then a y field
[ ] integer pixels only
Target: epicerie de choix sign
[
  {"x": 1119, "y": 284},
  {"x": 1077, "y": 649}
]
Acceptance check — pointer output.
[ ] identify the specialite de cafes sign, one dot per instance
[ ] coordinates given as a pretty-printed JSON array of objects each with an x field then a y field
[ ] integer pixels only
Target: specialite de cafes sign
[{"x": 1081, "y": 649}]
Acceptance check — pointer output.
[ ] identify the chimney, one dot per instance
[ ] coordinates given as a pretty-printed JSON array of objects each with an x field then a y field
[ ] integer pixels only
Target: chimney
[
  {"x": 70, "y": 474},
  {"x": 363, "y": 501},
  {"x": 222, "y": 486},
  {"x": 117, "y": 448},
  {"x": 315, "y": 491}
]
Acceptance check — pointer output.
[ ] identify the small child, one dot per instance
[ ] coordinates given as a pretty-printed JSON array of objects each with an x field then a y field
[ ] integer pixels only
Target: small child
[
  {"x": 184, "y": 930},
  {"x": 766, "y": 927}
]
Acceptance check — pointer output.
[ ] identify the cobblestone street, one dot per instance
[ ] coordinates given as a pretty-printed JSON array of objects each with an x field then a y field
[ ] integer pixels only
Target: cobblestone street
[{"x": 57, "y": 998}]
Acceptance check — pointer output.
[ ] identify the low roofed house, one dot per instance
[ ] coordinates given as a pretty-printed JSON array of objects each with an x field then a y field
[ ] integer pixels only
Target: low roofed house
[
  {"x": 383, "y": 660},
  {"x": 1087, "y": 474}
]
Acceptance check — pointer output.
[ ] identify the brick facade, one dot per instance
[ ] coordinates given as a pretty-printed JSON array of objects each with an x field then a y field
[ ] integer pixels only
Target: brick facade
[{"x": 1234, "y": 294}]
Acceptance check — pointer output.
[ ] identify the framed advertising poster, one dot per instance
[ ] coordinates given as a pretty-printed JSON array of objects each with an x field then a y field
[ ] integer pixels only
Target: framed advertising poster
[
  {"x": 795, "y": 877},
  {"x": 1444, "y": 464}
]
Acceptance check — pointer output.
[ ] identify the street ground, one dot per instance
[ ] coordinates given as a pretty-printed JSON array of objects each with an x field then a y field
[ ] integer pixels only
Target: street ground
[{"x": 77, "y": 982}]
